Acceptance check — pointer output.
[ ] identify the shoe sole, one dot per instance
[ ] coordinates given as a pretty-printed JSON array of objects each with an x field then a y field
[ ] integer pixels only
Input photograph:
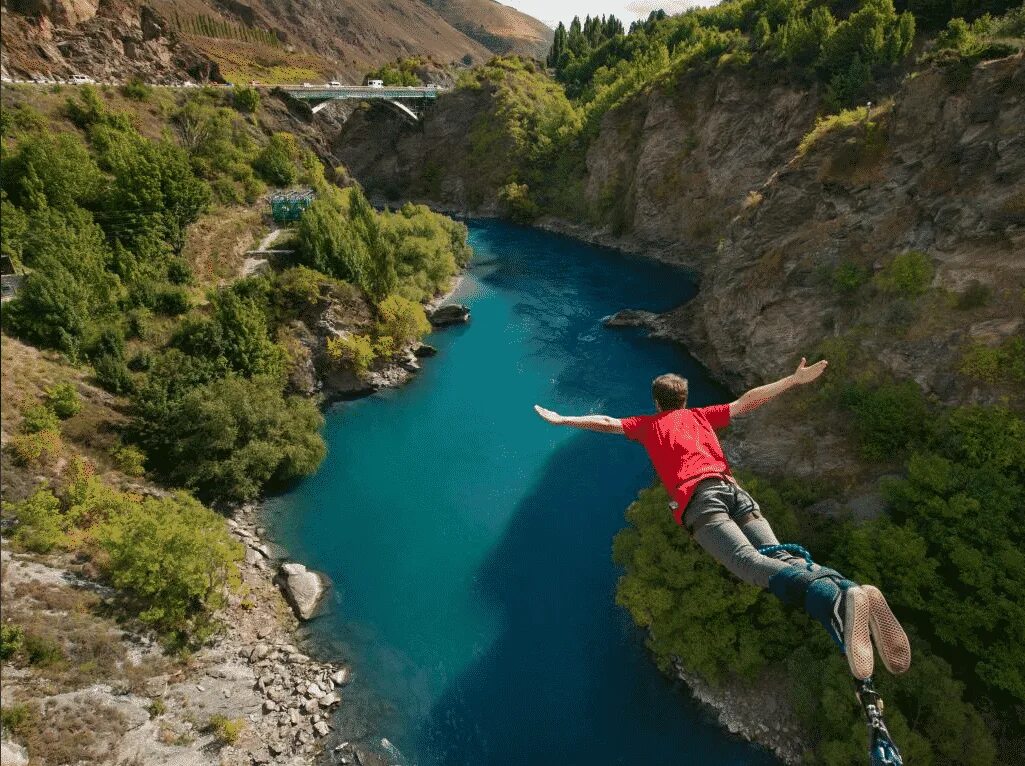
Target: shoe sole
[
  {"x": 857, "y": 633},
  {"x": 890, "y": 639}
]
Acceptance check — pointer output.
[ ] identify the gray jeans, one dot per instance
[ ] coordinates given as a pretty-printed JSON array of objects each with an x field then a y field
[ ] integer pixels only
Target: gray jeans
[{"x": 713, "y": 514}]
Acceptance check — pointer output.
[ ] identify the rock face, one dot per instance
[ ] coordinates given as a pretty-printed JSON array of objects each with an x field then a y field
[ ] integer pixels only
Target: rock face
[
  {"x": 452, "y": 313},
  {"x": 110, "y": 41},
  {"x": 304, "y": 589}
]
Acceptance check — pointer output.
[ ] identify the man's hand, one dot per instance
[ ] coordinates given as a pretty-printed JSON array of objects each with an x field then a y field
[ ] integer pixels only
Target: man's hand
[
  {"x": 601, "y": 423},
  {"x": 805, "y": 374},
  {"x": 552, "y": 417},
  {"x": 756, "y": 397}
]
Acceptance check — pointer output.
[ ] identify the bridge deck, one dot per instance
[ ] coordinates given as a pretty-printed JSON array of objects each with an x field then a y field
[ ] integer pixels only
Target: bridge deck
[{"x": 361, "y": 92}]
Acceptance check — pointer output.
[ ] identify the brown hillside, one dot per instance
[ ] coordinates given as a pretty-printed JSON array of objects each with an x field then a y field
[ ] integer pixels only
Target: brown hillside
[{"x": 498, "y": 27}]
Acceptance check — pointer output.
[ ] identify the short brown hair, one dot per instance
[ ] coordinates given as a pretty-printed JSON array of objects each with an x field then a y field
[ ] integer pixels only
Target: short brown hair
[{"x": 669, "y": 392}]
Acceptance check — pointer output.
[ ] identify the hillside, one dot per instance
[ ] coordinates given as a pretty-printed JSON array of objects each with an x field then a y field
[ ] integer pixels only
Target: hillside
[
  {"x": 497, "y": 27},
  {"x": 266, "y": 40}
]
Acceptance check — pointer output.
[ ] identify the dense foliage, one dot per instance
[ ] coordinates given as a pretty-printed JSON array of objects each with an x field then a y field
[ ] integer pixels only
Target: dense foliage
[{"x": 172, "y": 557}]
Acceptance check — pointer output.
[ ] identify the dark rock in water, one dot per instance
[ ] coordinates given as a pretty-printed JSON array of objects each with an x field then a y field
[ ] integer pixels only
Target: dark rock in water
[
  {"x": 425, "y": 349},
  {"x": 630, "y": 318},
  {"x": 453, "y": 313}
]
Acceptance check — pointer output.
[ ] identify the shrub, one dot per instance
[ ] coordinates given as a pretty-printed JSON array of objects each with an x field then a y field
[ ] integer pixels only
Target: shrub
[
  {"x": 229, "y": 438},
  {"x": 298, "y": 288},
  {"x": 137, "y": 90},
  {"x": 174, "y": 558},
  {"x": 35, "y": 449},
  {"x": 226, "y": 730},
  {"x": 41, "y": 522},
  {"x": 42, "y": 651},
  {"x": 888, "y": 418},
  {"x": 38, "y": 418},
  {"x": 63, "y": 399},
  {"x": 976, "y": 295},
  {"x": 907, "y": 275},
  {"x": 246, "y": 99},
  {"x": 16, "y": 719},
  {"x": 178, "y": 272},
  {"x": 355, "y": 350},
  {"x": 402, "y": 319},
  {"x": 276, "y": 164},
  {"x": 517, "y": 203},
  {"x": 11, "y": 637},
  {"x": 172, "y": 301},
  {"x": 1004, "y": 363},
  {"x": 848, "y": 277},
  {"x": 129, "y": 459}
]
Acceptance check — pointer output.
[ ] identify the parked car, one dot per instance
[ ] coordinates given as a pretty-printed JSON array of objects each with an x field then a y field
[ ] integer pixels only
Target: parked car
[
  {"x": 81, "y": 79},
  {"x": 334, "y": 84},
  {"x": 375, "y": 83}
]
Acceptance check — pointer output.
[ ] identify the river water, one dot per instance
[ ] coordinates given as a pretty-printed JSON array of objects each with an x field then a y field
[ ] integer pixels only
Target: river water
[{"x": 469, "y": 541}]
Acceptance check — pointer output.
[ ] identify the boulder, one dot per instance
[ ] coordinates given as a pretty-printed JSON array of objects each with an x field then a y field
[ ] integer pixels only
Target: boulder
[
  {"x": 13, "y": 754},
  {"x": 304, "y": 589},
  {"x": 424, "y": 350},
  {"x": 452, "y": 313},
  {"x": 341, "y": 677}
]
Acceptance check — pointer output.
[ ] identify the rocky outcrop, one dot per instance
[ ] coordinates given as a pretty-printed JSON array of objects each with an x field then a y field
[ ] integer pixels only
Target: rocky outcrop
[
  {"x": 449, "y": 314},
  {"x": 109, "y": 41},
  {"x": 758, "y": 711},
  {"x": 303, "y": 588}
]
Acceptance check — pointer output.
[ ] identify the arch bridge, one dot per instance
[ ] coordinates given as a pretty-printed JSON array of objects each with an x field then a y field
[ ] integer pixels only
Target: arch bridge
[{"x": 407, "y": 99}]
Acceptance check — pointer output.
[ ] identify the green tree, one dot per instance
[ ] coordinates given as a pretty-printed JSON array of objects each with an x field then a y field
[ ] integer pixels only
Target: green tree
[
  {"x": 174, "y": 558},
  {"x": 276, "y": 164},
  {"x": 246, "y": 99},
  {"x": 51, "y": 170},
  {"x": 231, "y": 437}
]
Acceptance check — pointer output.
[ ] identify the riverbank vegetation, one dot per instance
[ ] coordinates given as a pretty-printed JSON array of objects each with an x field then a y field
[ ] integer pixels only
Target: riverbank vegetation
[{"x": 194, "y": 365}]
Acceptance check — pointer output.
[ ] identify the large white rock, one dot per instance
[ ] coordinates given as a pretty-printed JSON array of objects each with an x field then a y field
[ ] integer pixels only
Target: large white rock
[
  {"x": 303, "y": 588},
  {"x": 13, "y": 754}
]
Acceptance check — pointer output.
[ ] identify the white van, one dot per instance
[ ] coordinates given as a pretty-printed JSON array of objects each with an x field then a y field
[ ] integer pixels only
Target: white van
[
  {"x": 334, "y": 84},
  {"x": 81, "y": 79},
  {"x": 375, "y": 83}
]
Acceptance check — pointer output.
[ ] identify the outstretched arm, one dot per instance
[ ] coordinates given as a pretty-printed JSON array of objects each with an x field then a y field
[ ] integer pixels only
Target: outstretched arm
[
  {"x": 601, "y": 423},
  {"x": 756, "y": 397}
]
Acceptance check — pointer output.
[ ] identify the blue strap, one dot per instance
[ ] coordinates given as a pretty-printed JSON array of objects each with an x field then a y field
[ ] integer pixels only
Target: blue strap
[{"x": 768, "y": 550}]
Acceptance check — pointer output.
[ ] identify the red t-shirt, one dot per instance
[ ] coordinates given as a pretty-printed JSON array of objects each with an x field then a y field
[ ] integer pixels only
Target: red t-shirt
[{"x": 683, "y": 447}]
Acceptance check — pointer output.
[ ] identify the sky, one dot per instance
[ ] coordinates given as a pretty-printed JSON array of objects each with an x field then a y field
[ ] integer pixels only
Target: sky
[{"x": 551, "y": 12}]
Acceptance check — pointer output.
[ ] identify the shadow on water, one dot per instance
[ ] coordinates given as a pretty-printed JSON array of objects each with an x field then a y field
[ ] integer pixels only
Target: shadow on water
[{"x": 538, "y": 695}]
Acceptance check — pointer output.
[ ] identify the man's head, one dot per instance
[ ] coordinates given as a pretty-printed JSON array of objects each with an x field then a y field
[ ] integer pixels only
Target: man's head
[{"x": 669, "y": 392}]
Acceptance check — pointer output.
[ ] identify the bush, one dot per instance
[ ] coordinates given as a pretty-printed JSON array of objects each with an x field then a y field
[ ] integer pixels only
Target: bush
[
  {"x": 517, "y": 203},
  {"x": 41, "y": 522},
  {"x": 888, "y": 418},
  {"x": 35, "y": 449},
  {"x": 63, "y": 399},
  {"x": 276, "y": 164},
  {"x": 129, "y": 459},
  {"x": 229, "y": 438},
  {"x": 246, "y": 99},
  {"x": 298, "y": 288},
  {"x": 356, "y": 350},
  {"x": 175, "y": 560},
  {"x": 38, "y": 418},
  {"x": 16, "y": 719},
  {"x": 11, "y": 637},
  {"x": 402, "y": 320},
  {"x": 907, "y": 275},
  {"x": 976, "y": 295},
  {"x": 41, "y": 651},
  {"x": 172, "y": 301},
  {"x": 137, "y": 90},
  {"x": 1003, "y": 364},
  {"x": 226, "y": 730},
  {"x": 848, "y": 277}
]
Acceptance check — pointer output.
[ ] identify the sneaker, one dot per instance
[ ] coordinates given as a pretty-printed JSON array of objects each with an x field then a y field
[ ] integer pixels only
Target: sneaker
[
  {"x": 890, "y": 639},
  {"x": 854, "y": 606}
]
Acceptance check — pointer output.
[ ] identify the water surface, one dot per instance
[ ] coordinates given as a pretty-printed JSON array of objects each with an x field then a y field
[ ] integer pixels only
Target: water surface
[{"x": 469, "y": 541}]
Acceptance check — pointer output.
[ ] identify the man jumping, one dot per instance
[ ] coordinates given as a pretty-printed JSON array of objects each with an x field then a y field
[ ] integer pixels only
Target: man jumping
[{"x": 726, "y": 521}]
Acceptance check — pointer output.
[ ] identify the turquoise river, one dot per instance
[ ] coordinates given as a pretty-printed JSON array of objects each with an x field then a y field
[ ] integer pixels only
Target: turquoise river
[{"x": 469, "y": 542}]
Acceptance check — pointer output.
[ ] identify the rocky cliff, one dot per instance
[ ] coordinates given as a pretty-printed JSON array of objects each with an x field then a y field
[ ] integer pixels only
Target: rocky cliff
[{"x": 789, "y": 223}]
